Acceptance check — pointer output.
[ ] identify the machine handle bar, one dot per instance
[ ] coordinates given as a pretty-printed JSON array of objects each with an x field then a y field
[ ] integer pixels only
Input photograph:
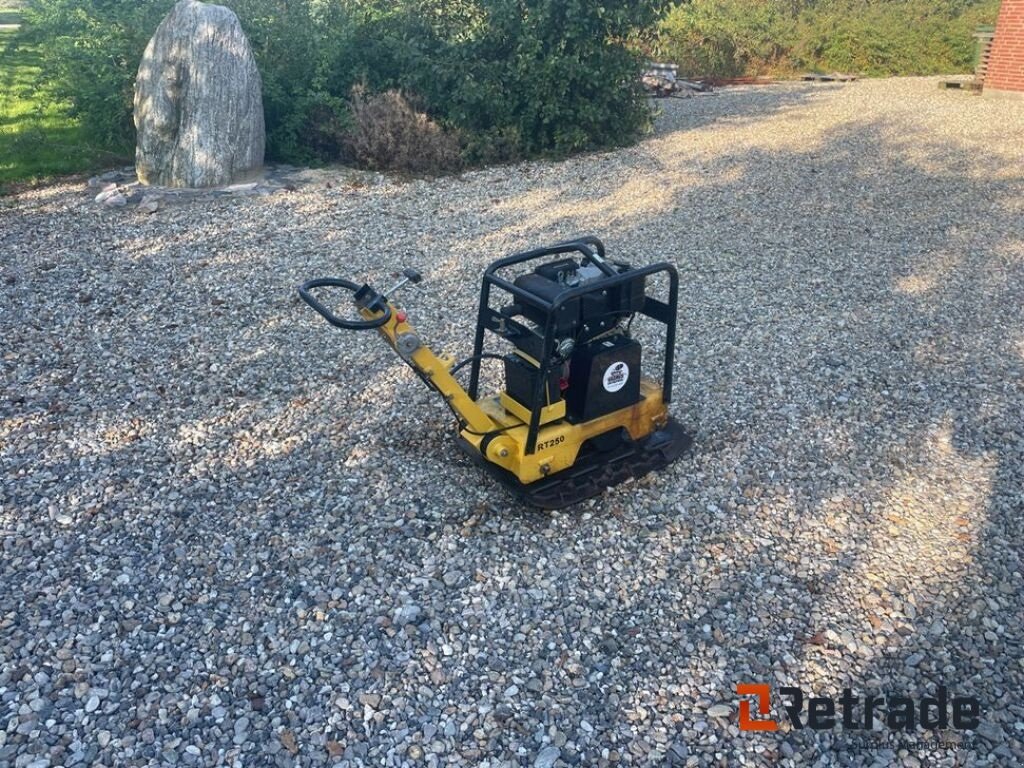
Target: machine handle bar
[{"x": 338, "y": 322}]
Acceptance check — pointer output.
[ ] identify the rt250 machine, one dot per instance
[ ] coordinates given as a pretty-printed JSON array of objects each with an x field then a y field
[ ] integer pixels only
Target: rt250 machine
[{"x": 575, "y": 415}]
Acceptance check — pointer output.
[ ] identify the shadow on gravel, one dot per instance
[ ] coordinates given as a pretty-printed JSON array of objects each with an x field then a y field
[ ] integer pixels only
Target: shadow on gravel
[
  {"x": 738, "y": 105},
  {"x": 890, "y": 375}
]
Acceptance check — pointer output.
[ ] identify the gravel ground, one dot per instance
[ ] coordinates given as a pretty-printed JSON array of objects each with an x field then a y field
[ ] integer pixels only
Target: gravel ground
[{"x": 232, "y": 535}]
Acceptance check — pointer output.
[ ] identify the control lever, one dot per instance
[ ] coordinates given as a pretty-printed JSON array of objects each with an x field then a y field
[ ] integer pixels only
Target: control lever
[{"x": 409, "y": 275}]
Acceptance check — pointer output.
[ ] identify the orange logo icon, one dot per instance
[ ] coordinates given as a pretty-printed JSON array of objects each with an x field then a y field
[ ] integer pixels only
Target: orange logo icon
[{"x": 763, "y": 693}]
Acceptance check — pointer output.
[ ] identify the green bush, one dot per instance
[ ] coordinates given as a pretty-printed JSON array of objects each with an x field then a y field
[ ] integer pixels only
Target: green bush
[
  {"x": 727, "y": 38},
  {"x": 541, "y": 76},
  {"x": 513, "y": 78}
]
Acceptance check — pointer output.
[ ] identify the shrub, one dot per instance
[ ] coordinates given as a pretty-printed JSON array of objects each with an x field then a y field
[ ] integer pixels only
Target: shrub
[
  {"x": 544, "y": 76},
  {"x": 726, "y": 38},
  {"x": 387, "y": 133}
]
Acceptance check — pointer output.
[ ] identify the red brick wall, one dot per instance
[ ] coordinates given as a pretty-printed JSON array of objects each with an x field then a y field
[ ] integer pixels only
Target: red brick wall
[{"x": 1006, "y": 64}]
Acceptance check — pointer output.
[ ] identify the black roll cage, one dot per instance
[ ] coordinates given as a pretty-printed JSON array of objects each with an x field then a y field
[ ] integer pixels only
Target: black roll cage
[{"x": 592, "y": 250}]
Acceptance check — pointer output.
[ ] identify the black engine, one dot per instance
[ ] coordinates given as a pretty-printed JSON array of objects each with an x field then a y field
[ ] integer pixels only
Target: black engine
[{"x": 594, "y": 365}]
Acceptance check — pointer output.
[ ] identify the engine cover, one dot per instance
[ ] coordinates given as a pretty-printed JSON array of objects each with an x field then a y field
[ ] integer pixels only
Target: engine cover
[{"x": 604, "y": 376}]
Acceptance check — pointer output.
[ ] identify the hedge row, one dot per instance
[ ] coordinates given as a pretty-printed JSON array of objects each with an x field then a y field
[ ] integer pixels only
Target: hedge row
[{"x": 729, "y": 38}]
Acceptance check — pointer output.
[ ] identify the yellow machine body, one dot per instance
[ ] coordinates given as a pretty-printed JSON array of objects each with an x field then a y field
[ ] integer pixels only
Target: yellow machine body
[
  {"x": 499, "y": 432},
  {"x": 559, "y": 442}
]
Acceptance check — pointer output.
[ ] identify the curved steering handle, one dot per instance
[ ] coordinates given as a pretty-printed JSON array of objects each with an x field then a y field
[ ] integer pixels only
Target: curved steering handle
[{"x": 330, "y": 317}]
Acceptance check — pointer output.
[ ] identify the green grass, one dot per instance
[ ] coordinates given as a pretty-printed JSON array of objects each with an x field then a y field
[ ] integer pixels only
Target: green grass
[{"x": 38, "y": 139}]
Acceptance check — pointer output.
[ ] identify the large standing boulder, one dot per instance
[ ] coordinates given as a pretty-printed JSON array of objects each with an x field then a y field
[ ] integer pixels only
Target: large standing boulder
[{"x": 198, "y": 101}]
